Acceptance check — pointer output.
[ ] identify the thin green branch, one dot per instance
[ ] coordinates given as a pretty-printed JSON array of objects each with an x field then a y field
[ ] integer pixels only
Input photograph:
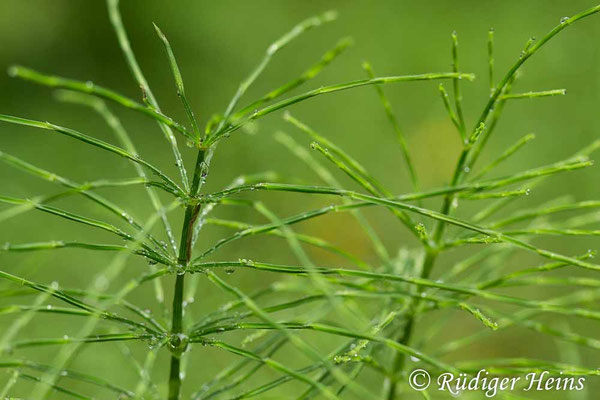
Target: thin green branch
[
  {"x": 91, "y": 141},
  {"x": 328, "y": 178},
  {"x": 145, "y": 250},
  {"x": 117, "y": 23},
  {"x": 59, "y": 244},
  {"x": 310, "y": 73},
  {"x": 275, "y": 365},
  {"x": 502, "y": 157},
  {"x": 397, "y": 130},
  {"x": 236, "y": 124},
  {"x": 533, "y": 95},
  {"x": 312, "y": 240},
  {"x": 337, "y": 331},
  {"x": 448, "y": 107},
  {"x": 179, "y": 85},
  {"x": 296, "y": 341},
  {"x": 490, "y": 52},
  {"x": 84, "y": 190},
  {"x": 91, "y": 88},
  {"x": 276, "y": 46},
  {"x": 456, "y": 86},
  {"x": 74, "y": 375},
  {"x": 55, "y": 387},
  {"x": 547, "y": 306},
  {"x": 91, "y": 339},
  {"x": 58, "y": 294}
]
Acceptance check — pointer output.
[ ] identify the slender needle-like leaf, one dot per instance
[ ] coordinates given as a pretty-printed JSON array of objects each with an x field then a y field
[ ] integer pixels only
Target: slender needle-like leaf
[
  {"x": 396, "y": 126},
  {"x": 117, "y": 23},
  {"x": 310, "y": 73},
  {"x": 179, "y": 84},
  {"x": 93, "y": 89},
  {"x": 91, "y": 141},
  {"x": 235, "y": 125},
  {"x": 533, "y": 95}
]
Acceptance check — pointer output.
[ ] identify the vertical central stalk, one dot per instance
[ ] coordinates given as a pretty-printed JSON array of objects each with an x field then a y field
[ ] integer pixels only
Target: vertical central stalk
[
  {"x": 431, "y": 254},
  {"x": 406, "y": 334},
  {"x": 176, "y": 342}
]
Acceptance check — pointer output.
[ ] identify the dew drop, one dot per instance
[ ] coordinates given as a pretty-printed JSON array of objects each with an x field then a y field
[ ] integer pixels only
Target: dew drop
[
  {"x": 591, "y": 253},
  {"x": 467, "y": 170},
  {"x": 177, "y": 269},
  {"x": 152, "y": 261},
  {"x": 564, "y": 19},
  {"x": 229, "y": 271},
  {"x": 127, "y": 217},
  {"x": 204, "y": 169},
  {"x": 527, "y": 192},
  {"x": 414, "y": 359},
  {"x": 152, "y": 342}
]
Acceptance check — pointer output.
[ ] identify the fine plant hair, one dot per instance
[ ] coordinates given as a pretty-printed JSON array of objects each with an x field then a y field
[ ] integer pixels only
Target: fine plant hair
[{"x": 372, "y": 344}]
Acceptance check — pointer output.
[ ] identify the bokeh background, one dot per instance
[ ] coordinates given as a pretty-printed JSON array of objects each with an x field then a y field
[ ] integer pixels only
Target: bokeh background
[{"x": 217, "y": 44}]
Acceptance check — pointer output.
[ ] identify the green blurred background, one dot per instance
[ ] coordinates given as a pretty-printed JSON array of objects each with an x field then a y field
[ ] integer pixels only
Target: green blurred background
[{"x": 217, "y": 44}]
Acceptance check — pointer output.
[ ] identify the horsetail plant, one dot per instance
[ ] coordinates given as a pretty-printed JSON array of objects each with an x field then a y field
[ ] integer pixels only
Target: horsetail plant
[{"x": 370, "y": 341}]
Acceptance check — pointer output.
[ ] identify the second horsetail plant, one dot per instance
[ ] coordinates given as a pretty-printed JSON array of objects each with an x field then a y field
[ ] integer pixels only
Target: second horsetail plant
[{"x": 373, "y": 344}]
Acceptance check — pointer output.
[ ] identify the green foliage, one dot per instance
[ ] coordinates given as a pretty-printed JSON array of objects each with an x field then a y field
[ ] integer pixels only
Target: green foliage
[{"x": 376, "y": 341}]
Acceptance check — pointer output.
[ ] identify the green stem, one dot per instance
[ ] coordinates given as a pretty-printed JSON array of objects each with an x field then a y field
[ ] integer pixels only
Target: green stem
[
  {"x": 185, "y": 254},
  {"x": 399, "y": 358},
  {"x": 174, "y": 379},
  {"x": 469, "y": 156},
  {"x": 406, "y": 333}
]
